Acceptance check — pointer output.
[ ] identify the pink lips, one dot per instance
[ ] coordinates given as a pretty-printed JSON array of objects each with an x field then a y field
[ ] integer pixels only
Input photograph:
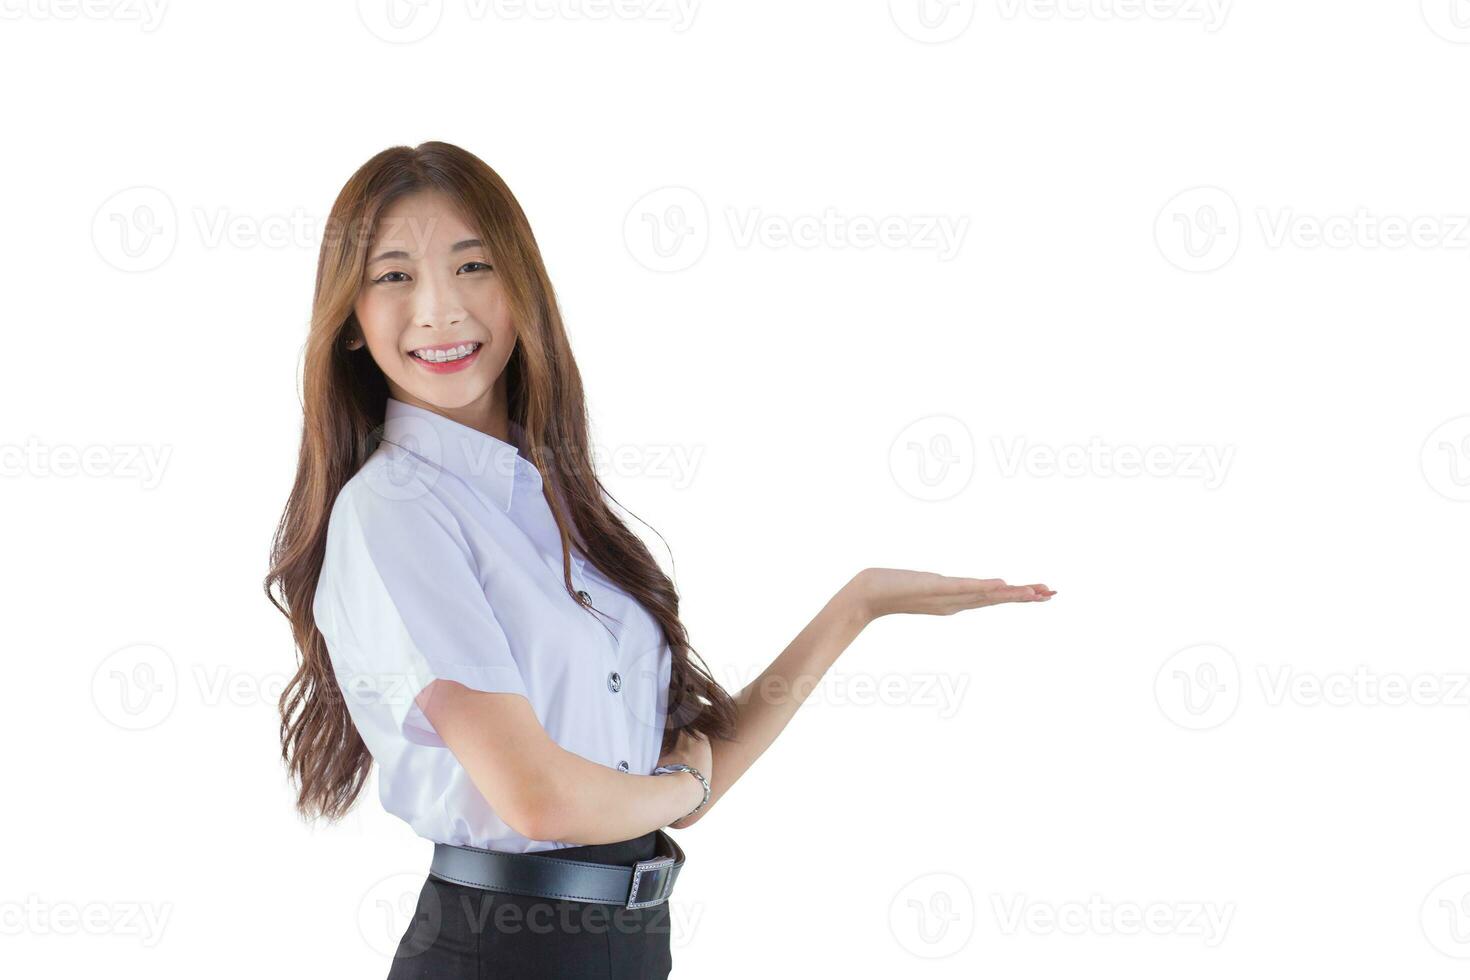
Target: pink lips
[{"x": 447, "y": 367}]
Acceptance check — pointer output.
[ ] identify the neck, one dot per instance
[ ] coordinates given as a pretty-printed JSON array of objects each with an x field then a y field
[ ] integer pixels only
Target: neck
[{"x": 488, "y": 413}]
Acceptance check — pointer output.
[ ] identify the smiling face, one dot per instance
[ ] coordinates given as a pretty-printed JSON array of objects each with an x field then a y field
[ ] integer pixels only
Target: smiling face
[{"x": 434, "y": 313}]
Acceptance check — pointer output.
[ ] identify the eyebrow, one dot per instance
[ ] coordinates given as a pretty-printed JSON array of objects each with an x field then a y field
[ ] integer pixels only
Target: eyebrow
[{"x": 400, "y": 254}]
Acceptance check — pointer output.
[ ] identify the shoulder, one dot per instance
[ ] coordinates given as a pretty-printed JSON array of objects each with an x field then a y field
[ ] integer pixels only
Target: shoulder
[{"x": 390, "y": 500}]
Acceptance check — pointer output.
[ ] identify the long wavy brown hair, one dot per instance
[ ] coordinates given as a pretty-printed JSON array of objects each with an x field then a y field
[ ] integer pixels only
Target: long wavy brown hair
[{"x": 343, "y": 400}]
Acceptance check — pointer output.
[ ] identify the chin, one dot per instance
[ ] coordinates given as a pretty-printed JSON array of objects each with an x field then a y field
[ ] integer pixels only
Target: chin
[{"x": 449, "y": 392}]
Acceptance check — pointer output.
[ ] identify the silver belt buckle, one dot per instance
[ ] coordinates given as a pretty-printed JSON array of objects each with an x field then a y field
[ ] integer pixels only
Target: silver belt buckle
[{"x": 654, "y": 870}]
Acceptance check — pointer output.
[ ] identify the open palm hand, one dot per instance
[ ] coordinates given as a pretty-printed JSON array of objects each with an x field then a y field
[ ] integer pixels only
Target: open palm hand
[{"x": 883, "y": 591}]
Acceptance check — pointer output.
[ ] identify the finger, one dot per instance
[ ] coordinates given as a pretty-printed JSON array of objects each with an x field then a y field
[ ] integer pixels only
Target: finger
[
  {"x": 981, "y": 586},
  {"x": 1012, "y": 593},
  {"x": 989, "y": 591}
]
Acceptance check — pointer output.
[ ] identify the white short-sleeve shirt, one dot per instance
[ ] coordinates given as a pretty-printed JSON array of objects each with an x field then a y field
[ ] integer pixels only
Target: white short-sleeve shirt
[{"x": 443, "y": 561}]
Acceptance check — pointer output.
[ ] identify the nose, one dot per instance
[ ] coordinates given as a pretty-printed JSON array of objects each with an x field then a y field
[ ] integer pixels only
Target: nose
[{"x": 437, "y": 302}]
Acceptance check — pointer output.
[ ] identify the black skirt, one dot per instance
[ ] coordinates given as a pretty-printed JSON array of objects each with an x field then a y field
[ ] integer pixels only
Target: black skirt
[{"x": 459, "y": 931}]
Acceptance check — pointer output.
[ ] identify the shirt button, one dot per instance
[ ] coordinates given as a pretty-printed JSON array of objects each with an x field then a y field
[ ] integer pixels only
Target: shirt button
[
  {"x": 583, "y": 597},
  {"x": 623, "y": 766},
  {"x": 614, "y": 681}
]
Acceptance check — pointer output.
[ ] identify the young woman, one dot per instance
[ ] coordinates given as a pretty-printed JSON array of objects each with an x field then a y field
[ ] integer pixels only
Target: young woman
[{"x": 472, "y": 615}]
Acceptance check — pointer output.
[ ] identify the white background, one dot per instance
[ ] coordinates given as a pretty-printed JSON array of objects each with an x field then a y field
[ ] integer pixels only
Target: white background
[{"x": 1227, "y": 238}]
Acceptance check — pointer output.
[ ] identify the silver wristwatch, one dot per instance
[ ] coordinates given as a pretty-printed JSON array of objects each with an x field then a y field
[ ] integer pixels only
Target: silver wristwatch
[{"x": 681, "y": 767}]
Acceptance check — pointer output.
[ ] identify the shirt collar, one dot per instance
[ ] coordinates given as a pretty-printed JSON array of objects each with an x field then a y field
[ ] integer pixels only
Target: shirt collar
[
  {"x": 490, "y": 465},
  {"x": 486, "y": 463}
]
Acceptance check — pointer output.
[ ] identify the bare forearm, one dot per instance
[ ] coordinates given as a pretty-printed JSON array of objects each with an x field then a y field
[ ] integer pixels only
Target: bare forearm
[
  {"x": 770, "y": 701},
  {"x": 589, "y": 803}
]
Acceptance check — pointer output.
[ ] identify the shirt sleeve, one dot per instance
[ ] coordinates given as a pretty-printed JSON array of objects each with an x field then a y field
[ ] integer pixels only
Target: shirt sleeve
[{"x": 400, "y": 604}]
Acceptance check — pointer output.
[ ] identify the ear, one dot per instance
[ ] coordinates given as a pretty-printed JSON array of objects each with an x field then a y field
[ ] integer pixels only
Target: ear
[{"x": 352, "y": 335}]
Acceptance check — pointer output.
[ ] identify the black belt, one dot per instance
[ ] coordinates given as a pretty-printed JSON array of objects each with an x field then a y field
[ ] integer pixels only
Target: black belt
[{"x": 645, "y": 883}]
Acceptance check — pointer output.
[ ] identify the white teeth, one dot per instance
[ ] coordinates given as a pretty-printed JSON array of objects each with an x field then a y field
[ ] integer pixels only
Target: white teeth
[{"x": 448, "y": 354}]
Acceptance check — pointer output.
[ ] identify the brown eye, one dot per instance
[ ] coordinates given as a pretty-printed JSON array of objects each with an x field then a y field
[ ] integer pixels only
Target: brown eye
[
  {"x": 384, "y": 277},
  {"x": 482, "y": 265}
]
